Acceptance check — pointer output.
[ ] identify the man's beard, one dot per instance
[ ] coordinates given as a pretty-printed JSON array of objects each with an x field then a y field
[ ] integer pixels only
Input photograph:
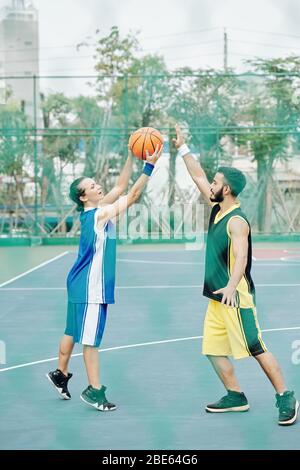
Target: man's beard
[{"x": 218, "y": 197}]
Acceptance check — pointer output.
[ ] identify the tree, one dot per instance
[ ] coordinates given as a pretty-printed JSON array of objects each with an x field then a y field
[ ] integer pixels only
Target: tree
[
  {"x": 88, "y": 115},
  {"x": 272, "y": 108},
  {"x": 205, "y": 102},
  {"x": 15, "y": 158},
  {"x": 135, "y": 94},
  {"x": 15, "y": 148},
  {"x": 59, "y": 144}
]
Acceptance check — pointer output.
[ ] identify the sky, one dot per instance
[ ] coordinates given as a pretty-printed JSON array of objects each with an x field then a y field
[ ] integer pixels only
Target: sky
[{"x": 187, "y": 33}]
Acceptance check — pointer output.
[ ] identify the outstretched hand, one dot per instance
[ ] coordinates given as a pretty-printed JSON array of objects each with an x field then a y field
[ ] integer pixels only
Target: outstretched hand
[
  {"x": 155, "y": 156},
  {"x": 179, "y": 141}
]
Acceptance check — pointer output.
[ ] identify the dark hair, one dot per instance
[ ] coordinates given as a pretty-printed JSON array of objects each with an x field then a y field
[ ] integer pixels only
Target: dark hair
[
  {"x": 234, "y": 178},
  {"x": 76, "y": 192}
]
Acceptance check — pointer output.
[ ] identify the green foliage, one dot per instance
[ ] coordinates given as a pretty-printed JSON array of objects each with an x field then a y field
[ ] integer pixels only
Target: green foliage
[
  {"x": 136, "y": 94},
  {"x": 115, "y": 55},
  {"x": 14, "y": 141},
  {"x": 206, "y": 104},
  {"x": 258, "y": 112},
  {"x": 272, "y": 106}
]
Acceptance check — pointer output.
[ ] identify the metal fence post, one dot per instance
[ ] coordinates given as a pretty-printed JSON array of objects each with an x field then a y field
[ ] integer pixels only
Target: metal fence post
[{"x": 35, "y": 155}]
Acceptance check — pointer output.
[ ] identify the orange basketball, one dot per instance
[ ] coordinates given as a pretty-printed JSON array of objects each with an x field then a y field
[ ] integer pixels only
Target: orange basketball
[{"x": 143, "y": 139}]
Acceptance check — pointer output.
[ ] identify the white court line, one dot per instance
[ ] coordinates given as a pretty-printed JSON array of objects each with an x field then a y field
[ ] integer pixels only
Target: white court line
[
  {"x": 181, "y": 286},
  {"x": 289, "y": 258},
  {"x": 256, "y": 264},
  {"x": 282, "y": 265},
  {"x": 133, "y": 261},
  {"x": 16, "y": 289},
  {"x": 138, "y": 345},
  {"x": 33, "y": 269},
  {"x": 127, "y": 260},
  {"x": 281, "y": 329}
]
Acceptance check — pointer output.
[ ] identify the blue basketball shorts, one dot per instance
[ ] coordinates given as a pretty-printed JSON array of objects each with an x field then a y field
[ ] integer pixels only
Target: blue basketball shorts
[{"x": 86, "y": 323}]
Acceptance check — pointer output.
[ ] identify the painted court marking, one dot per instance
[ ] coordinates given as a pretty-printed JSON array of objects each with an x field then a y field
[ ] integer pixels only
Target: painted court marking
[
  {"x": 143, "y": 261},
  {"x": 258, "y": 262},
  {"x": 197, "y": 286},
  {"x": 130, "y": 346},
  {"x": 34, "y": 269},
  {"x": 180, "y": 286},
  {"x": 131, "y": 287}
]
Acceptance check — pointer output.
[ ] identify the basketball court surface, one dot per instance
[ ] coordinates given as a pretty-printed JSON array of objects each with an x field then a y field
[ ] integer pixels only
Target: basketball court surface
[{"x": 151, "y": 358}]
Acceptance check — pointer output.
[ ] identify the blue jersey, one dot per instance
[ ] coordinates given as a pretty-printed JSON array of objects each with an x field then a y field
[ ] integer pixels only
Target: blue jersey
[{"x": 92, "y": 278}]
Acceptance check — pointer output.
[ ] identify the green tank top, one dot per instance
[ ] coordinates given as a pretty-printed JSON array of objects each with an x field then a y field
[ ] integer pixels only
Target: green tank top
[{"x": 219, "y": 258}]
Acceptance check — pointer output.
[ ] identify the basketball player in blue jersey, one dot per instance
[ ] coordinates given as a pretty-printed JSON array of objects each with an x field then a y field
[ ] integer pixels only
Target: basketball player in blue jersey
[
  {"x": 91, "y": 281},
  {"x": 231, "y": 327}
]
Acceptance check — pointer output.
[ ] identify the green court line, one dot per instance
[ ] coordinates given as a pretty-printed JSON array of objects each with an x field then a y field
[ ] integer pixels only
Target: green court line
[{"x": 138, "y": 345}]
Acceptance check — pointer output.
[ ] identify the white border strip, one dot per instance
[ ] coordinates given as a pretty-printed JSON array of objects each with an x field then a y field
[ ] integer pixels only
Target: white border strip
[
  {"x": 144, "y": 261},
  {"x": 257, "y": 262},
  {"x": 138, "y": 345},
  {"x": 181, "y": 286},
  {"x": 34, "y": 269}
]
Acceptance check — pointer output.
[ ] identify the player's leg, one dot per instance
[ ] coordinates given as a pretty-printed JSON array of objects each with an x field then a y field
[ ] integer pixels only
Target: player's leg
[
  {"x": 60, "y": 377},
  {"x": 285, "y": 399},
  {"x": 91, "y": 336},
  {"x": 65, "y": 351},
  {"x": 91, "y": 360},
  {"x": 272, "y": 370},
  {"x": 225, "y": 371},
  {"x": 245, "y": 335},
  {"x": 235, "y": 400},
  {"x": 216, "y": 347}
]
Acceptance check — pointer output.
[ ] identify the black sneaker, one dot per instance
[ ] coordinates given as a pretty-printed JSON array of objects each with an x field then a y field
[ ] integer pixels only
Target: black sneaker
[
  {"x": 288, "y": 408},
  {"x": 233, "y": 401},
  {"x": 60, "y": 382},
  {"x": 97, "y": 399}
]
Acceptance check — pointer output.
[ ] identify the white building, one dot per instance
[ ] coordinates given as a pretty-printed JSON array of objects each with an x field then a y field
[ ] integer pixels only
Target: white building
[{"x": 19, "y": 53}]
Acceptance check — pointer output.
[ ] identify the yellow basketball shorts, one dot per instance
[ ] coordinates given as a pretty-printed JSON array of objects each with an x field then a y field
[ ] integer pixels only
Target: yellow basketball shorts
[{"x": 231, "y": 331}]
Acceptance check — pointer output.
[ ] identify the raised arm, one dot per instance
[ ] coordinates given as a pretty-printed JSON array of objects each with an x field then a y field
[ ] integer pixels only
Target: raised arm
[
  {"x": 193, "y": 166},
  {"x": 122, "y": 182},
  {"x": 113, "y": 210}
]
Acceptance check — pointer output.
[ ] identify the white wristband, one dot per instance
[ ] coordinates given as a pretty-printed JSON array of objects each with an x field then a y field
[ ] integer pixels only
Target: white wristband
[{"x": 183, "y": 150}]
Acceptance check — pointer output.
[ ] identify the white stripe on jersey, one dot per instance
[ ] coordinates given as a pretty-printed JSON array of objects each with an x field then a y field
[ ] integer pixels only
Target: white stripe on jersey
[
  {"x": 95, "y": 277},
  {"x": 90, "y": 324}
]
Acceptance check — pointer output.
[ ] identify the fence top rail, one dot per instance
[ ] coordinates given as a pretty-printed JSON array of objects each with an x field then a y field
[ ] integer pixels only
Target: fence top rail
[
  {"x": 166, "y": 75},
  {"x": 122, "y": 129}
]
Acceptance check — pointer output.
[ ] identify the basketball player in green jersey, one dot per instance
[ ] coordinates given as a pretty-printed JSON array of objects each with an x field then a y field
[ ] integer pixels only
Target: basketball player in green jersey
[{"x": 231, "y": 327}]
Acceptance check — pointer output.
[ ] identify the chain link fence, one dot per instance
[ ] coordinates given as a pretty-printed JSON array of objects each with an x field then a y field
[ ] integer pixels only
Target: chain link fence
[{"x": 54, "y": 129}]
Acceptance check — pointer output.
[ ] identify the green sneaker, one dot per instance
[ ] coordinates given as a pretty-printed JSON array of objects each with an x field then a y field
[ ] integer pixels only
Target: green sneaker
[
  {"x": 288, "y": 408},
  {"x": 96, "y": 398},
  {"x": 233, "y": 401}
]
